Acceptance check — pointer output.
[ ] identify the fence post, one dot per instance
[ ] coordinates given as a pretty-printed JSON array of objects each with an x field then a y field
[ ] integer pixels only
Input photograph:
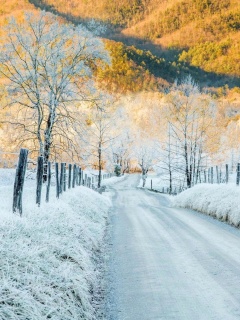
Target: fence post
[
  {"x": 217, "y": 172},
  {"x": 80, "y": 176},
  {"x": 19, "y": 181},
  {"x": 57, "y": 179},
  {"x": 61, "y": 178},
  {"x": 151, "y": 184},
  {"x": 211, "y": 174},
  {"x": 69, "y": 176},
  {"x": 205, "y": 177},
  {"x": 49, "y": 175},
  {"x": 64, "y": 177},
  {"x": 39, "y": 180},
  {"x": 77, "y": 175},
  {"x": 227, "y": 173},
  {"x": 238, "y": 173},
  {"x": 74, "y": 176}
]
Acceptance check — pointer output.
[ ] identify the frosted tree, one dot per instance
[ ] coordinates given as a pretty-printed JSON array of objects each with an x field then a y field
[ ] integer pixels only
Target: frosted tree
[
  {"x": 122, "y": 146},
  {"x": 189, "y": 114},
  {"x": 145, "y": 153},
  {"x": 121, "y": 150},
  {"x": 47, "y": 66},
  {"x": 99, "y": 132}
]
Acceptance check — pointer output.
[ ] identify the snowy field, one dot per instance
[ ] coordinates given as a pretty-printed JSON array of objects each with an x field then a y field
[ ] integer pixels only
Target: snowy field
[
  {"x": 48, "y": 257},
  {"x": 218, "y": 200},
  {"x": 160, "y": 181}
]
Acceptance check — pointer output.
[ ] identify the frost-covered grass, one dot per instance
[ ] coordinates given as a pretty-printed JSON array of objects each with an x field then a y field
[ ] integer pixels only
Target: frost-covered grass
[
  {"x": 220, "y": 201},
  {"x": 47, "y": 260}
]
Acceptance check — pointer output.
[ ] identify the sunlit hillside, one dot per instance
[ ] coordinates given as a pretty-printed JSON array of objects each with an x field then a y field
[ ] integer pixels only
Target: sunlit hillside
[
  {"x": 157, "y": 41},
  {"x": 194, "y": 36}
]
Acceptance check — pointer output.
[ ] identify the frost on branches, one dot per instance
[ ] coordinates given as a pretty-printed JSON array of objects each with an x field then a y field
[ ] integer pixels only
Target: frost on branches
[{"x": 48, "y": 67}]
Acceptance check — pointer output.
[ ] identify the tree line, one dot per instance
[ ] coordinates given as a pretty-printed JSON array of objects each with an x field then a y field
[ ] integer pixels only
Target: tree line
[{"x": 52, "y": 98}]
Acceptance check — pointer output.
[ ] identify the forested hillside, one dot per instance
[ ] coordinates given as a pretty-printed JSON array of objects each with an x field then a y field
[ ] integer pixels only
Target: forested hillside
[{"x": 158, "y": 41}]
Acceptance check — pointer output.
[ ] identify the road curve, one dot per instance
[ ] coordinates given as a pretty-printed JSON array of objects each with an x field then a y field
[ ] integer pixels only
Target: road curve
[{"x": 169, "y": 263}]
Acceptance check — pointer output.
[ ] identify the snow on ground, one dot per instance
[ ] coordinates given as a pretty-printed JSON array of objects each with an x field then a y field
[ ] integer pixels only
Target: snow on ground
[
  {"x": 218, "y": 200},
  {"x": 169, "y": 263},
  {"x": 159, "y": 181},
  {"x": 151, "y": 176},
  {"x": 47, "y": 257},
  {"x": 113, "y": 180}
]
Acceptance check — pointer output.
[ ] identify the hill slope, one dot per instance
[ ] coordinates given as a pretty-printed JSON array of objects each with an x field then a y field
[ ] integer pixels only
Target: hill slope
[
  {"x": 165, "y": 38},
  {"x": 201, "y": 37}
]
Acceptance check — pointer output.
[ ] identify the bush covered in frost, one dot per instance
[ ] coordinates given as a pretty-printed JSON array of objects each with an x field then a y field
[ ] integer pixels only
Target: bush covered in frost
[
  {"x": 220, "y": 201},
  {"x": 47, "y": 264}
]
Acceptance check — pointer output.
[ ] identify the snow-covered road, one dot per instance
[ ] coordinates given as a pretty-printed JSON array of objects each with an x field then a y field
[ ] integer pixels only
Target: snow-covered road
[{"x": 170, "y": 263}]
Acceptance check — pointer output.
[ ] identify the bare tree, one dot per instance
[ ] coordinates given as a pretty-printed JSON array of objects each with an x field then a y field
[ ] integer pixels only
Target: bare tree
[
  {"x": 47, "y": 65},
  {"x": 189, "y": 114},
  {"x": 121, "y": 148},
  {"x": 145, "y": 154},
  {"x": 99, "y": 132}
]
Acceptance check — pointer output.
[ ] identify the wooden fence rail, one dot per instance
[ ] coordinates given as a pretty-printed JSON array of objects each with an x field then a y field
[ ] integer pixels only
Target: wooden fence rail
[{"x": 70, "y": 178}]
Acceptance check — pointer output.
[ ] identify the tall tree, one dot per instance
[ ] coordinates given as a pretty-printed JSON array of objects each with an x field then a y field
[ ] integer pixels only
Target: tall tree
[
  {"x": 146, "y": 156},
  {"x": 99, "y": 132},
  {"x": 189, "y": 114},
  {"x": 48, "y": 67}
]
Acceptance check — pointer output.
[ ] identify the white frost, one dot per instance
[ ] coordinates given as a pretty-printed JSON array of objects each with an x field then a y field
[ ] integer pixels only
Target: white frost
[
  {"x": 46, "y": 257},
  {"x": 220, "y": 201}
]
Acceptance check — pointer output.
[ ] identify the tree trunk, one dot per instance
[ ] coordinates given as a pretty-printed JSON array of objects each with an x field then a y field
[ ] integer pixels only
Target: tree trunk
[
  {"x": 46, "y": 156},
  {"x": 170, "y": 181},
  {"x": 187, "y": 173},
  {"x": 48, "y": 181},
  {"x": 57, "y": 179},
  {"x": 48, "y": 139},
  {"x": 39, "y": 180},
  {"x": 144, "y": 176},
  {"x": 99, "y": 165}
]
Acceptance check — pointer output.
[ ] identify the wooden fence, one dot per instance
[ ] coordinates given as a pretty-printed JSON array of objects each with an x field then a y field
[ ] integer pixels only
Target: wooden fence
[
  {"x": 211, "y": 175},
  {"x": 67, "y": 176}
]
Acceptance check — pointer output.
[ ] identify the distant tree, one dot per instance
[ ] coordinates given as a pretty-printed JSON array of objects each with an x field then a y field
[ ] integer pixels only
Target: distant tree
[
  {"x": 121, "y": 149},
  {"x": 190, "y": 115},
  {"x": 117, "y": 170},
  {"x": 98, "y": 132},
  {"x": 145, "y": 154}
]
